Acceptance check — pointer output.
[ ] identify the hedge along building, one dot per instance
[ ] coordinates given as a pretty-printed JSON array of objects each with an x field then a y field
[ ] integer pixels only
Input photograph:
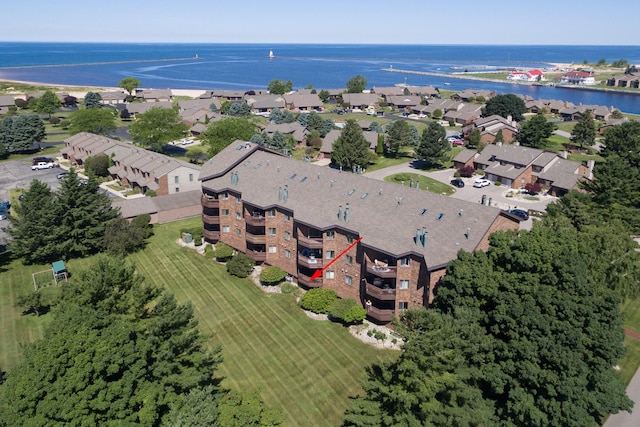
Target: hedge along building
[{"x": 300, "y": 217}]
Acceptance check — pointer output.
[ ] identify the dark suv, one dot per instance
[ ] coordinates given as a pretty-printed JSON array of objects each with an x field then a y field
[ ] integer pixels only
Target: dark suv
[{"x": 457, "y": 183}]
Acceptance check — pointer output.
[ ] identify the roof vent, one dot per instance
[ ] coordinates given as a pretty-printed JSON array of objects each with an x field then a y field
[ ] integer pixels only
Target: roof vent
[
  {"x": 423, "y": 211},
  {"x": 461, "y": 212},
  {"x": 380, "y": 191},
  {"x": 293, "y": 176},
  {"x": 467, "y": 233},
  {"x": 285, "y": 193},
  {"x": 339, "y": 211},
  {"x": 303, "y": 179},
  {"x": 346, "y": 213}
]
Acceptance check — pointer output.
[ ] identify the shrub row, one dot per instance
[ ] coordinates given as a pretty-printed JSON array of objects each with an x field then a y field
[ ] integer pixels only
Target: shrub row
[{"x": 326, "y": 301}]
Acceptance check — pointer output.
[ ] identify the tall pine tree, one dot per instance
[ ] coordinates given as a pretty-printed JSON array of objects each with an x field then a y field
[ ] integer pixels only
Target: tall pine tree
[{"x": 351, "y": 148}]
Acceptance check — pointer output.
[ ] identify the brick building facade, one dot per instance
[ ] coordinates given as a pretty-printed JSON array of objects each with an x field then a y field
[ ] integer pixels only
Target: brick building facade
[{"x": 300, "y": 217}]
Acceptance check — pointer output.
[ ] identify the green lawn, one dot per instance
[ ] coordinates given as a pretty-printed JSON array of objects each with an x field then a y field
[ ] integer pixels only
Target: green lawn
[
  {"x": 385, "y": 162},
  {"x": 426, "y": 183},
  {"x": 307, "y": 367}
]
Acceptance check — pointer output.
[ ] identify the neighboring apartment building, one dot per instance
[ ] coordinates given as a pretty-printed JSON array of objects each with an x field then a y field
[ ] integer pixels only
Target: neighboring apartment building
[
  {"x": 300, "y": 217},
  {"x": 134, "y": 166}
]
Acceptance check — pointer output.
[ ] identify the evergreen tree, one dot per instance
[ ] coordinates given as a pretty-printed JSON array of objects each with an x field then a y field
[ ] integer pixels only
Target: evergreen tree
[
  {"x": 399, "y": 134},
  {"x": 92, "y": 100},
  {"x": 584, "y": 132},
  {"x": 20, "y": 133},
  {"x": 32, "y": 225},
  {"x": 433, "y": 145},
  {"x": 351, "y": 148}
]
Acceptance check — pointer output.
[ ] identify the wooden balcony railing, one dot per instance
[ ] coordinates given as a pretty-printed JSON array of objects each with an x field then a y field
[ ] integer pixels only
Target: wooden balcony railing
[
  {"x": 255, "y": 220},
  {"x": 209, "y": 202},
  {"x": 309, "y": 262},
  {"x": 258, "y": 256},
  {"x": 379, "y": 314},
  {"x": 256, "y": 239},
  {"x": 381, "y": 293},
  {"x": 310, "y": 242},
  {"x": 210, "y": 219},
  {"x": 212, "y": 236},
  {"x": 306, "y": 281},
  {"x": 380, "y": 271}
]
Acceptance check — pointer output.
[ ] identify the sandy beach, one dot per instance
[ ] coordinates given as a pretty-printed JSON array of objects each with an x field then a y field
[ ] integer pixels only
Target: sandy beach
[{"x": 79, "y": 91}]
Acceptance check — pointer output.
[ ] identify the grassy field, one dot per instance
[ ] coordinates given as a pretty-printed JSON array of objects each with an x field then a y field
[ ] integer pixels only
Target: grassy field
[
  {"x": 426, "y": 183},
  {"x": 307, "y": 367}
]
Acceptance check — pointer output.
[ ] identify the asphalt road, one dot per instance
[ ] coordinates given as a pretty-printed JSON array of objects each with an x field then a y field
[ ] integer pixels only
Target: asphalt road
[{"x": 18, "y": 174}]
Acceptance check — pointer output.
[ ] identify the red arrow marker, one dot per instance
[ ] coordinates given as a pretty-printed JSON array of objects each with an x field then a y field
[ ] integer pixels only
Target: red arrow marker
[{"x": 318, "y": 273}]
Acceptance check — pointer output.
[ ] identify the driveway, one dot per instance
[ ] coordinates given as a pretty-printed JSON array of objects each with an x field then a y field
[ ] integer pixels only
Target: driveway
[
  {"x": 500, "y": 196},
  {"x": 18, "y": 174}
]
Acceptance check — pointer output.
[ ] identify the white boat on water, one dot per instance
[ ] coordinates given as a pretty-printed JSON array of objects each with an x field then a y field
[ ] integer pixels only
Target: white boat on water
[{"x": 271, "y": 55}]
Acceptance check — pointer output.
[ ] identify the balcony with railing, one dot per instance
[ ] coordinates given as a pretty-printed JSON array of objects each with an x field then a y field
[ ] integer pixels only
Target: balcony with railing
[
  {"x": 209, "y": 201},
  {"x": 257, "y": 220},
  {"x": 381, "y": 293},
  {"x": 309, "y": 261},
  {"x": 211, "y": 235},
  {"x": 210, "y": 219},
  {"x": 381, "y": 269},
  {"x": 256, "y": 239},
  {"x": 380, "y": 314},
  {"x": 310, "y": 242},
  {"x": 305, "y": 280},
  {"x": 258, "y": 256}
]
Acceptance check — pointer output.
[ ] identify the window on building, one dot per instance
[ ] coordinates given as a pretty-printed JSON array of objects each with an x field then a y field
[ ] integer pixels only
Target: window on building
[
  {"x": 287, "y": 235},
  {"x": 403, "y": 305},
  {"x": 287, "y": 253},
  {"x": 348, "y": 280},
  {"x": 224, "y": 212},
  {"x": 329, "y": 274},
  {"x": 177, "y": 189},
  {"x": 190, "y": 177},
  {"x": 349, "y": 259},
  {"x": 331, "y": 234},
  {"x": 238, "y": 216},
  {"x": 176, "y": 179},
  {"x": 405, "y": 262},
  {"x": 271, "y": 213},
  {"x": 350, "y": 239},
  {"x": 272, "y": 249},
  {"x": 238, "y": 199},
  {"x": 226, "y": 228},
  {"x": 404, "y": 284},
  {"x": 224, "y": 196},
  {"x": 271, "y": 231},
  {"x": 238, "y": 232},
  {"x": 287, "y": 217},
  {"x": 330, "y": 254}
]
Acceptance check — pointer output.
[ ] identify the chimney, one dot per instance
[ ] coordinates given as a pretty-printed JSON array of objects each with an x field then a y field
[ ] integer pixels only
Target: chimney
[
  {"x": 418, "y": 237},
  {"x": 380, "y": 192},
  {"x": 339, "y": 211},
  {"x": 346, "y": 213},
  {"x": 399, "y": 200},
  {"x": 285, "y": 193},
  {"x": 461, "y": 212},
  {"x": 425, "y": 237},
  {"x": 279, "y": 193},
  {"x": 467, "y": 234},
  {"x": 417, "y": 184}
]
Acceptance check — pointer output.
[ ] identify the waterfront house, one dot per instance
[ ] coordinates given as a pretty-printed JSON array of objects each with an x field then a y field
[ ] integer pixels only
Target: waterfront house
[
  {"x": 303, "y": 102},
  {"x": 299, "y": 217},
  {"x": 359, "y": 100},
  {"x": 578, "y": 78},
  {"x": 631, "y": 80}
]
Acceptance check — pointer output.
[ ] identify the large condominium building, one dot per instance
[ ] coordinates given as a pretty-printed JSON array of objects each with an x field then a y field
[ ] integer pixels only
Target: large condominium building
[{"x": 300, "y": 217}]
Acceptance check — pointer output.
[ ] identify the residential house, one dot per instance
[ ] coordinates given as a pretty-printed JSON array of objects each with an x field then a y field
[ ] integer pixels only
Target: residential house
[
  {"x": 489, "y": 128},
  {"x": 334, "y": 134},
  {"x": 611, "y": 123},
  {"x": 303, "y": 102},
  {"x": 295, "y": 129},
  {"x": 631, "y": 80},
  {"x": 6, "y": 101},
  {"x": 299, "y": 217},
  {"x": 465, "y": 158},
  {"x": 527, "y": 76},
  {"x": 228, "y": 95},
  {"x": 597, "y": 111},
  {"x": 136, "y": 108},
  {"x": 516, "y": 166},
  {"x": 386, "y": 92},
  {"x": 133, "y": 166},
  {"x": 578, "y": 78},
  {"x": 424, "y": 91},
  {"x": 473, "y": 94},
  {"x": 403, "y": 101},
  {"x": 161, "y": 209},
  {"x": 154, "y": 95},
  {"x": 112, "y": 97},
  {"x": 265, "y": 104},
  {"x": 464, "y": 115},
  {"x": 359, "y": 100}
]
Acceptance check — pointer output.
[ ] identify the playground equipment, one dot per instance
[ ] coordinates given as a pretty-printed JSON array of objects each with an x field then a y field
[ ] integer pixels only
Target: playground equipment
[{"x": 56, "y": 274}]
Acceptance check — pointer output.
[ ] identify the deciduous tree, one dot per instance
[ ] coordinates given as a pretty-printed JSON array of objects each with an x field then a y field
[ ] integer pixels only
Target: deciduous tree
[
  {"x": 100, "y": 121},
  {"x": 48, "y": 103},
  {"x": 505, "y": 106},
  {"x": 356, "y": 84},
  {"x": 129, "y": 84},
  {"x": 157, "y": 127},
  {"x": 536, "y": 131},
  {"x": 220, "y": 134},
  {"x": 280, "y": 87}
]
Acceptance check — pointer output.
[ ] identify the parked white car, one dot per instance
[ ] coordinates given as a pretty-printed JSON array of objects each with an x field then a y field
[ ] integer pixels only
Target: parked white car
[
  {"x": 481, "y": 182},
  {"x": 43, "y": 165}
]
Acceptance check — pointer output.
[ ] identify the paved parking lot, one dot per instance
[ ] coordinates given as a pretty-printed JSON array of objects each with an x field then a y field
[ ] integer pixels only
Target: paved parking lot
[{"x": 18, "y": 174}]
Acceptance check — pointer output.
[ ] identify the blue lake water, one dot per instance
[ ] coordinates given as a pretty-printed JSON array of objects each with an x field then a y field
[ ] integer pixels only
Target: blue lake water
[{"x": 247, "y": 66}]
